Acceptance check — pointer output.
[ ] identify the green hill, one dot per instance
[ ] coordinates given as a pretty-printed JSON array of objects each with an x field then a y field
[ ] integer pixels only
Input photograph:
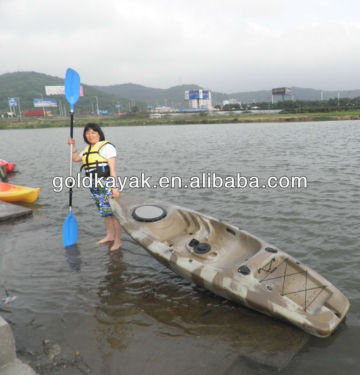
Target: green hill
[
  {"x": 29, "y": 85},
  {"x": 173, "y": 96}
]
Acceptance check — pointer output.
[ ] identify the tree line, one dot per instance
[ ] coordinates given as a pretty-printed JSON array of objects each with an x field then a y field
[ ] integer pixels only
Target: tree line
[{"x": 300, "y": 106}]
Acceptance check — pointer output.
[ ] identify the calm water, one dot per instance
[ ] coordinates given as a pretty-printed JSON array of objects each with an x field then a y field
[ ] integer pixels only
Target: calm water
[{"x": 124, "y": 313}]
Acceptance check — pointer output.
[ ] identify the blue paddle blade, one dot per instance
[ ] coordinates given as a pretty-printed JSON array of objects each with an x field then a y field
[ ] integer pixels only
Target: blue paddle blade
[
  {"x": 70, "y": 230},
  {"x": 72, "y": 87}
]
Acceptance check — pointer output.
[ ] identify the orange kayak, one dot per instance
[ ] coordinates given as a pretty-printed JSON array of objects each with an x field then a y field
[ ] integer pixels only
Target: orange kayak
[{"x": 14, "y": 193}]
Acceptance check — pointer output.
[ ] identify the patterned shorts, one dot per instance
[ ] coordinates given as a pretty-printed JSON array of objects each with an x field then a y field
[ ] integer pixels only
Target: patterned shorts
[{"x": 101, "y": 195}]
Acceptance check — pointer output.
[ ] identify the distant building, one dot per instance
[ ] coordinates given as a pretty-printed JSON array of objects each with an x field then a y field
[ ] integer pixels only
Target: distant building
[
  {"x": 161, "y": 109},
  {"x": 155, "y": 115},
  {"x": 199, "y": 99},
  {"x": 280, "y": 91},
  {"x": 225, "y": 102}
]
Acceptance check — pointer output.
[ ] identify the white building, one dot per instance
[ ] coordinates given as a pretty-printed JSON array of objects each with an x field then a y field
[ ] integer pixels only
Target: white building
[{"x": 199, "y": 99}]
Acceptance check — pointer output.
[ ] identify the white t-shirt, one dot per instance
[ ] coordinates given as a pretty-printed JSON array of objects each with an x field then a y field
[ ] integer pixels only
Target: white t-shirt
[{"x": 108, "y": 151}]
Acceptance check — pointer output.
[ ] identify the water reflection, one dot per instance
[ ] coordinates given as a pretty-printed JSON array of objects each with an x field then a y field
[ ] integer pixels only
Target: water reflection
[
  {"x": 73, "y": 257},
  {"x": 152, "y": 298},
  {"x": 113, "y": 311}
]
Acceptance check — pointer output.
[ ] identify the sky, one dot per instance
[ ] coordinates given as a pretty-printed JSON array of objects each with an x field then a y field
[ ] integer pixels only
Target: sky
[{"x": 227, "y": 46}]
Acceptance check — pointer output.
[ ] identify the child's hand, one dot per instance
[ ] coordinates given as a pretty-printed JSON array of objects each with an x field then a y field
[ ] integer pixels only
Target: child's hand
[{"x": 115, "y": 193}]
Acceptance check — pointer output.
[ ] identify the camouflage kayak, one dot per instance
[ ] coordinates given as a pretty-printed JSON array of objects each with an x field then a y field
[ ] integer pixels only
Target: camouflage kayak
[{"x": 233, "y": 263}]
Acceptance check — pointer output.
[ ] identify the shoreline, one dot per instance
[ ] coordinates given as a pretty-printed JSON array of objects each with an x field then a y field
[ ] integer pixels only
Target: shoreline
[{"x": 142, "y": 119}]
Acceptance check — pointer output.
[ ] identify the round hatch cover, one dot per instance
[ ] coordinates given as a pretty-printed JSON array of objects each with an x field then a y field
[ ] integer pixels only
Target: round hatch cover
[
  {"x": 148, "y": 213},
  {"x": 202, "y": 248}
]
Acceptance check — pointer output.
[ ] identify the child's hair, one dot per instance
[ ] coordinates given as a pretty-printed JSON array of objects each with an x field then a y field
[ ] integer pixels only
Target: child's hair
[{"x": 94, "y": 127}]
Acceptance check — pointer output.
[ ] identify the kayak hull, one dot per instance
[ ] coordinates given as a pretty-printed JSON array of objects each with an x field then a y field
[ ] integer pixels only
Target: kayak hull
[
  {"x": 233, "y": 263},
  {"x": 14, "y": 193}
]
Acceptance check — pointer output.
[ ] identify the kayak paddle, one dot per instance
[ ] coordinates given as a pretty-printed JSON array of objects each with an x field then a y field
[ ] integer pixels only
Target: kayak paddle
[{"x": 72, "y": 93}]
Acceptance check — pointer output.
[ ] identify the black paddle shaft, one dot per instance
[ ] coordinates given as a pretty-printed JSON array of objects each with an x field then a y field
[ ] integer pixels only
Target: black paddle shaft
[
  {"x": 71, "y": 124},
  {"x": 71, "y": 135},
  {"x": 70, "y": 197}
]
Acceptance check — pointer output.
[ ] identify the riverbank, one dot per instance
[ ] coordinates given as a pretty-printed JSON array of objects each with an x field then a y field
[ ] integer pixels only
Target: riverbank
[{"x": 143, "y": 119}]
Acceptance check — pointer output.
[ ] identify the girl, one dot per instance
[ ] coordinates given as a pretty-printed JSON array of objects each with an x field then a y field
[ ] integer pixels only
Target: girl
[{"x": 99, "y": 157}]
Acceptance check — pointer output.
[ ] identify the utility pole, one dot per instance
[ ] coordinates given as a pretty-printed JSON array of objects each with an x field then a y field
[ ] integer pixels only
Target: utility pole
[
  {"x": 97, "y": 106},
  {"x": 42, "y": 99},
  {"x": 19, "y": 107}
]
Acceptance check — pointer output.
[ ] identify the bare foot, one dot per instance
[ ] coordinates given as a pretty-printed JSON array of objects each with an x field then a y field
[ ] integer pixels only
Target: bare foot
[
  {"x": 105, "y": 240},
  {"x": 116, "y": 246}
]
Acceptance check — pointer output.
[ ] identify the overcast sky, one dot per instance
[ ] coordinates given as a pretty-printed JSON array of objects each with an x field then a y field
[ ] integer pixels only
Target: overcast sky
[{"x": 227, "y": 45}]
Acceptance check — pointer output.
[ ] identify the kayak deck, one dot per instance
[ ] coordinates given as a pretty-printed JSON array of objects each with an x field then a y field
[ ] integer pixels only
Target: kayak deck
[{"x": 234, "y": 264}]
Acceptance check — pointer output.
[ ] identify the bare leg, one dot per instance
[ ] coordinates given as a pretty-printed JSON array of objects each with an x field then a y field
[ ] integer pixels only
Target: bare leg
[
  {"x": 117, "y": 234},
  {"x": 109, "y": 226}
]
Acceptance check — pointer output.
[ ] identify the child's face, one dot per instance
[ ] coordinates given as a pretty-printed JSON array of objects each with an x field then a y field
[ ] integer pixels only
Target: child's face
[{"x": 92, "y": 136}]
